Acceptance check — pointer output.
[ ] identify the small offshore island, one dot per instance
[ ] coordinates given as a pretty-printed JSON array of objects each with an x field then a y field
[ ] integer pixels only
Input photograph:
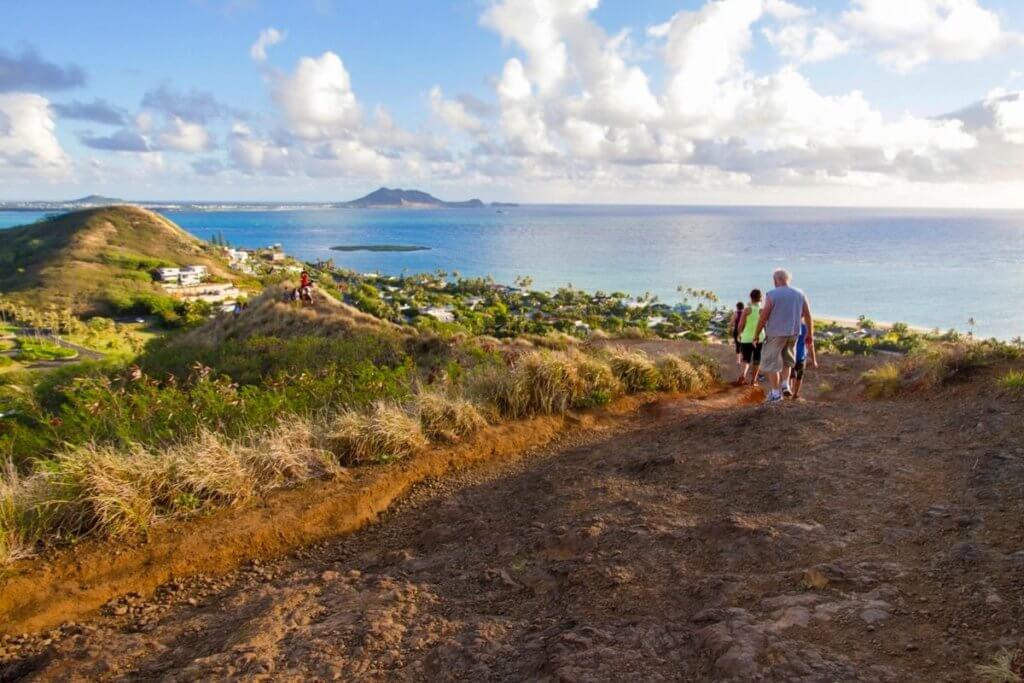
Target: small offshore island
[{"x": 379, "y": 247}]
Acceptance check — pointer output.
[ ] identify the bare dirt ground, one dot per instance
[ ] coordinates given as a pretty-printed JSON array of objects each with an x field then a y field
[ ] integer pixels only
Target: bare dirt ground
[{"x": 831, "y": 539}]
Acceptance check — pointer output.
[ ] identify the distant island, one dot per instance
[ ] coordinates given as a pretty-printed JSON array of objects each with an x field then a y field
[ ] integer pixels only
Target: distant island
[
  {"x": 379, "y": 247},
  {"x": 388, "y": 198}
]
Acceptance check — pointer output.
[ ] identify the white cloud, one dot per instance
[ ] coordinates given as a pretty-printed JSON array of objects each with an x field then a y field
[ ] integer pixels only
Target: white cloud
[
  {"x": 250, "y": 154},
  {"x": 317, "y": 99},
  {"x": 578, "y": 108},
  {"x": 1010, "y": 118},
  {"x": 805, "y": 44},
  {"x": 28, "y": 140},
  {"x": 780, "y": 9},
  {"x": 453, "y": 112},
  {"x": 909, "y": 33},
  {"x": 268, "y": 37},
  {"x": 184, "y": 136}
]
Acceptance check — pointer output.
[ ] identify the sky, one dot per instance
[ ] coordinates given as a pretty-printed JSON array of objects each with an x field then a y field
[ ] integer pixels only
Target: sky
[{"x": 783, "y": 102}]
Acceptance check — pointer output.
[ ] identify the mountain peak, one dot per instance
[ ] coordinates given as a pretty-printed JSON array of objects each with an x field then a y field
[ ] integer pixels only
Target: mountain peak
[{"x": 386, "y": 197}]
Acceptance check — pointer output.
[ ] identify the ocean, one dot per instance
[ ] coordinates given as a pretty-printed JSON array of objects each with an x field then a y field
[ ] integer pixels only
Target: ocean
[{"x": 932, "y": 268}]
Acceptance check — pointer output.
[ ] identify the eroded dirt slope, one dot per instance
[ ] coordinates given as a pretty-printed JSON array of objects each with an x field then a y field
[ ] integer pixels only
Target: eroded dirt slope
[{"x": 709, "y": 540}]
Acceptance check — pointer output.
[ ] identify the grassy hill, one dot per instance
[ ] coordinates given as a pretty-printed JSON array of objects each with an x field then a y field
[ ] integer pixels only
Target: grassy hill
[{"x": 95, "y": 260}]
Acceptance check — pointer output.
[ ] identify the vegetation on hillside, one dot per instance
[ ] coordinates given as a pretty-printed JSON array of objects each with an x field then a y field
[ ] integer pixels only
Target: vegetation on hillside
[
  {"x": 276, "y": 395},
  {"x": 938, "y": 363},
  {"x": 99, "y": 261}
]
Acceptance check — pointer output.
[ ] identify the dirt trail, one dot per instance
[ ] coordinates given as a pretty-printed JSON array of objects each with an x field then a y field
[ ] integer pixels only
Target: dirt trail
[{"x": 706, "y": 540}]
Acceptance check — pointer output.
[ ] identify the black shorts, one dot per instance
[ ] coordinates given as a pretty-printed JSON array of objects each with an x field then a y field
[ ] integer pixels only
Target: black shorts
[
  {"x": 751, "y": 353},
  {"x": 798, "y": 370},
  {"x": 737, "y": 342}
]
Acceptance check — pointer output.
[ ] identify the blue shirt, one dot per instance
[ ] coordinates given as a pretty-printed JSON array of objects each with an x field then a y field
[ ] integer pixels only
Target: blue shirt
[{"x": 801, "y": 344}]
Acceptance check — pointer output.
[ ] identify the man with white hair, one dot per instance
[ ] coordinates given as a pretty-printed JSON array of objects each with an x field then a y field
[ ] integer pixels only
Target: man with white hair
[{"x": 780, "y": 318}]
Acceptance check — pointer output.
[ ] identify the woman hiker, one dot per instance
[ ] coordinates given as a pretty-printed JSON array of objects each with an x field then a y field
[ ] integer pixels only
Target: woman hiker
[{"x": 750, "y": 343}]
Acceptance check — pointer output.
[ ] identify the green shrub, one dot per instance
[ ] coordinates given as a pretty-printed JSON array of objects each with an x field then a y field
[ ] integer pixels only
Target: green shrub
[
  {"x": 1012, "y": 381},
  {"x": 600, "y": 385},
  {"x": 634, "y": 369},
  {"x": 32, "y": 350}
]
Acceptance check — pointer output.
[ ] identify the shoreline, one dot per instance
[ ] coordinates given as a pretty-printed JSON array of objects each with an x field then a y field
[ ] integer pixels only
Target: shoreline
[{"x": 854, "y": 323}]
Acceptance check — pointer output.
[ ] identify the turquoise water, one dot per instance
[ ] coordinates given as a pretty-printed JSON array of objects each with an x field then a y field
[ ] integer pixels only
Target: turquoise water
[{"x": 929, "y": 268}]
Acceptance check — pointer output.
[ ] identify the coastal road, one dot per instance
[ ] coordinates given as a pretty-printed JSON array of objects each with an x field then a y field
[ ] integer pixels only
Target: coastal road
[{"x": 84, "y": 353}]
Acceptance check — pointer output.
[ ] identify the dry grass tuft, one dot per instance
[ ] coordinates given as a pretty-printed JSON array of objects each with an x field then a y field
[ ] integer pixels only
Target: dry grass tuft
[
  {"x": 384, "y": 433},
  {"x": 885, "y": 381},
  {"x": 600, "y": 385},
  {"x": 555, "y": 341},
  {"x": 1005, "y": 668},
  {"x": 677, "y": 374},
  {"x": 543, "y": 383},
  {"x": 634, "y": 369},
  {"x": 102, "y": 491},
  {"x": 447, "y": 419},
  {"x": 924, "y": 370}
]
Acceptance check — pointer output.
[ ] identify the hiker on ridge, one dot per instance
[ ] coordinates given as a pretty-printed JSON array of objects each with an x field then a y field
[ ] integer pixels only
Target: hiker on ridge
[
  {"x": 780, "y": 320},
  {"x": 750, "y": 343},
  {"x": 734, "y": 330}
]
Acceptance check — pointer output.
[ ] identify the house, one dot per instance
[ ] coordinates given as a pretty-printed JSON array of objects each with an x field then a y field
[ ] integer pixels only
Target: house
[
  {"x": 189, "y": 275},
  {"x": 440, "y": 314},
  {"x": 274, "y": 256},
  {"x": 236, "y": 254},
  {"x": 168, "y": 274}
]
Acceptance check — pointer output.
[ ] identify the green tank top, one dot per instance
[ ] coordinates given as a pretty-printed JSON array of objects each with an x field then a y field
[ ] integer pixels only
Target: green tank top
[{"x": 747, "y": 336}]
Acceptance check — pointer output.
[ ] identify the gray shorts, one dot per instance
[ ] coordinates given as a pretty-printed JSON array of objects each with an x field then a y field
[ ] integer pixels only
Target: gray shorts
[{"x": 778, "y": 352}]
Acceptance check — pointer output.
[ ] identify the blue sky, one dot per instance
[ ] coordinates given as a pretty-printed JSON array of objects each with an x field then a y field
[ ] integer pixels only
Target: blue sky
[{"x": 727, "y": 101}]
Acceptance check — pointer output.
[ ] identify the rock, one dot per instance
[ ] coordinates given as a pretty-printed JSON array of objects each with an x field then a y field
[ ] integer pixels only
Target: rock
[
  {"x": 120, "y": 610},
  {"x": 873, "y": 615},
  {"x": 329, "y": 576},
  {"x": 539, "y": 581},
  {"x": 794, "y": 616}
]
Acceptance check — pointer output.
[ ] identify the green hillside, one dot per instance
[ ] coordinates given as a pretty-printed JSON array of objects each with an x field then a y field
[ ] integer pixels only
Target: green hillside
[{"x": 95, "y": 260}]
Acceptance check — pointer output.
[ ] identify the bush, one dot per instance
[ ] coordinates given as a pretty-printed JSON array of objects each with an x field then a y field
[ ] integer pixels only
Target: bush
[
  {"x": 678, "y": 375},
  {"x": 926, "y": 369},
  {"x": 634, "y": 369},
  {"x": 1012, "y": 381},
  {"x": 447, "y": 419},
  {"x": 884, "y": 381},
  {"x": 126, "y": 406},
  {"x": 600, "y": 385},
  {"x": 383, "y": 433},
  {"x": 543, "y": 383},
  {"x": 32, "y": 350},
  {"x": 707, "y": 367}
]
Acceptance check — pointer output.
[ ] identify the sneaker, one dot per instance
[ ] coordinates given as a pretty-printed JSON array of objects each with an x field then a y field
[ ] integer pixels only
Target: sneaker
[
  {"x": 773, "y": 397},
  {"x": 786, "y": 391}
]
